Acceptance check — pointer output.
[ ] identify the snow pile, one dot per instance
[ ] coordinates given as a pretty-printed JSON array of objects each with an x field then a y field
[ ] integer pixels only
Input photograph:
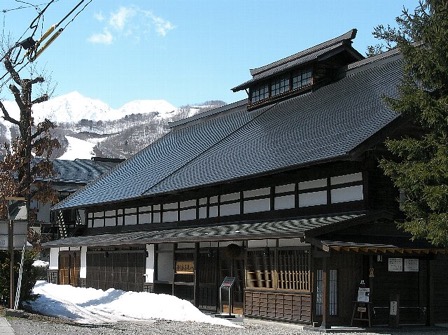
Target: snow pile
[
  {"x": 40, "y": 264},
  {"x": 92, "y": 306}
]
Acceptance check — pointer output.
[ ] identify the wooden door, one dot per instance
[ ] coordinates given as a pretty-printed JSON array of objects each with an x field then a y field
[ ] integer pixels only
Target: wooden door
[{"x": 69, "y": 267}]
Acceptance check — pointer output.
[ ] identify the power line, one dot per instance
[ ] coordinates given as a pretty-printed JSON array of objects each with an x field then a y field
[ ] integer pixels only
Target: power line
[{"x": 32, "y": 46}]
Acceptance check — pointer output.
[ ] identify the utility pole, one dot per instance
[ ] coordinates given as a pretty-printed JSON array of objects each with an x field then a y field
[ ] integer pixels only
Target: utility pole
[
  {"x": 11, "y": 263},
  {"x": 14, "y": 213}
]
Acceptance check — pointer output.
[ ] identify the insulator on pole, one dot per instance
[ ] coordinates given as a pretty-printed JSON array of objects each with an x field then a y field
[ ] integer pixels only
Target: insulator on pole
[
  {"x": 47, "y": 33},
  {"x": 51, "y": 40}
]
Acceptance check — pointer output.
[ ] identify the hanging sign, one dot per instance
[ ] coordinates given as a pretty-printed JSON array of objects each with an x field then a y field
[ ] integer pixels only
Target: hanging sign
[
  {"x": 19, "y": 234},
  {"x": 185, "y": 267}
]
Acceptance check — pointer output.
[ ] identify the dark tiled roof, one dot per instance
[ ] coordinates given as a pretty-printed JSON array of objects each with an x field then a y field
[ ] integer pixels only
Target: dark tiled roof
[
  {"x": 238, "y": 231},
  {"x": 399, "y": 246},
  {"x": 322, "y": 125},
  {"x": 300, "y": 58},
  {"x": 82, "y": 171}
]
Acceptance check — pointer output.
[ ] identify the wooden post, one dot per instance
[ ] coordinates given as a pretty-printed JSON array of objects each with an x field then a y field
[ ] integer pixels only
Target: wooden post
[
  {"x": 196, "y": 275},
  {"x": 429, "y": 294},
  {"x": 325, "y": 294},
  {"x": 11, "y": 263}
]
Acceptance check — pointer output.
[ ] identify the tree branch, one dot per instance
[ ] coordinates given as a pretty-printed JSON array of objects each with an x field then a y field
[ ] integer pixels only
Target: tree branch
[
  {"x": 15, "y": 91},
  {"x": 6, "y": 115},
  {"x": 42, "y": 127},
  {"x": 14, "y": 75},
  {"x": 36, "y": 80},
  {"x": 40, "y": 99}
]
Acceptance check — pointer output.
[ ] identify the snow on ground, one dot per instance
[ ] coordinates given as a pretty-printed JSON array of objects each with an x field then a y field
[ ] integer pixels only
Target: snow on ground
[
  {"x": 82, "y": 149},
  {"x": 92, "y": 306}
]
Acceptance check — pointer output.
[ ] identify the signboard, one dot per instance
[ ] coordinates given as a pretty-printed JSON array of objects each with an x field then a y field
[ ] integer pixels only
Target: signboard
[
  {"x": 185, "y": 267},
  {"x": 393, "y": 308},
  {"x": 363, "y": 294},
  {"x": 19, "y": 235},
  {"x": 411, "y": 265},
  {"x": 228, "y": 282},
  {"x": 17, "y": 209},
  {"x": 395, "y": 264}
]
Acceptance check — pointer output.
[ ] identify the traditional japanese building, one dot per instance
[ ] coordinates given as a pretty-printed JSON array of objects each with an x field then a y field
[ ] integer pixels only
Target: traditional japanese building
[{"x": 278, "y": 197}]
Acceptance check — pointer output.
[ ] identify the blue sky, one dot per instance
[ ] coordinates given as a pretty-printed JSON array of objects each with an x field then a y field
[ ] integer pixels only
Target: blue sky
[{"x": 185, "y": 52}]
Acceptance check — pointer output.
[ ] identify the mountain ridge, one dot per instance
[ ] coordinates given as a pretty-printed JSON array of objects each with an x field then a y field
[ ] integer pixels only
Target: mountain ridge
[{"x": 114, "y": 133}]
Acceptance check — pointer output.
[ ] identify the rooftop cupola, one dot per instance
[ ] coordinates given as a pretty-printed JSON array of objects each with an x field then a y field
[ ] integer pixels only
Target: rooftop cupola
[{"x": 300, "y": 72}]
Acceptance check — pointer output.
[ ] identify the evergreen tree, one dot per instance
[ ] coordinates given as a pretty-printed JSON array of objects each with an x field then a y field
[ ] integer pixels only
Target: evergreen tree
[{"x": 418, "y": 165}]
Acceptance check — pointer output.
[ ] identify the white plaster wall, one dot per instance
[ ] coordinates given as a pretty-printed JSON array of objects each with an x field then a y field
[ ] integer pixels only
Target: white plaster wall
[
  {"x": 284, "y": 202},
  {"x": 149, "y": 273},
  {"x": 313, "y": 199},
  {"x": 259, "y": 205},
  {"x": 347, "y": 178},
  {"x": 43, "y": 213},
  {"x": 230, "y": 209},
  {"x": 261, "y": 243},
  {"x": 54, "y": 259},
  {"x": 188, "y": 214},
  {"x": 345, "y": 194},
  {"x": 83, "y": 269}
]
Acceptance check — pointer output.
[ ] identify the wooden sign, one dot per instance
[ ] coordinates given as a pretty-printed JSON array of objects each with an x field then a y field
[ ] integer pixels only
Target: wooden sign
[
  {"x": 395, "y": 265},
  {"x": 393, "y": 308},
  {"x": 185, "y": 267},
  {"x": 411, "y": 265}
]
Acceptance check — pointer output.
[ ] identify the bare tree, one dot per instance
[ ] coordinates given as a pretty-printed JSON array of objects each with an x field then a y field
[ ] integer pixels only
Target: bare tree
[{"x": 26, "y": 169}]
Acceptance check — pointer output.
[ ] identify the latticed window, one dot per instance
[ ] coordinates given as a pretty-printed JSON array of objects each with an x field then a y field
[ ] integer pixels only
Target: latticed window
[
  {"x": 260, "y": 93},
  {"x": 301, "y": 79},
  {"x": 333, "y": 292},
  {"x": 281, "y": 269},
  {"x": 280, "y": 86}
]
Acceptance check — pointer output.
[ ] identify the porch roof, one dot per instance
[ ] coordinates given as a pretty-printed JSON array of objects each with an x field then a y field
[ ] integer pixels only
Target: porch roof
[
  {"x": 399, "y": 247},
  {"x": 231, "y": 232}
]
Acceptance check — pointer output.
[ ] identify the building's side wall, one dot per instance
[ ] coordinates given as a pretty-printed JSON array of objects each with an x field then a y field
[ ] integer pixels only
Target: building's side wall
[
  {"x": 116, "y": 268},
  {"x": 439, "y": 289},
  {"x": 345, "y": 190}
]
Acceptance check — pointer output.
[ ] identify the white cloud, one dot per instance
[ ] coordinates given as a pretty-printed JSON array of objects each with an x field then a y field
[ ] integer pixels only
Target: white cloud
[
  {"x": 162, "y": 26},
  {"x": 121, "y": 17},
  {"x": 101, "y": 38},
  {"x": 99, "y": 16},
  {"x": 130, "y": 21}
]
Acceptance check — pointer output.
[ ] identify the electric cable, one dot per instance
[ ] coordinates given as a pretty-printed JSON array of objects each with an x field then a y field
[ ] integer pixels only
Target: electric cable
[{"x": 34, "y": 26}]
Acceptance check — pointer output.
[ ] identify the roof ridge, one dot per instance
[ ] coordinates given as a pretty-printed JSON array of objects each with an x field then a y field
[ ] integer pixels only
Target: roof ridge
[
  {"x": 208, "y": 113},
  {"x": 373, "y": 59},
  {"x": 351, "y": 34}
]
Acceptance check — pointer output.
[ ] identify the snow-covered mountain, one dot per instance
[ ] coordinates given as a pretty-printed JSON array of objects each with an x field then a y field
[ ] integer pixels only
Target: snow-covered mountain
[
  {"x": 89, "y": 127},
  {"x": 74, "y": 107}
]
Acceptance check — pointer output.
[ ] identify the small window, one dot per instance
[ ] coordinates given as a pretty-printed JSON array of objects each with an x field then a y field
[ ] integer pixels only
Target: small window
[
  {"x": 301, "y": 79},
  {"x": 260, "y": 93},
  {"x": 279, "y": 86}
]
